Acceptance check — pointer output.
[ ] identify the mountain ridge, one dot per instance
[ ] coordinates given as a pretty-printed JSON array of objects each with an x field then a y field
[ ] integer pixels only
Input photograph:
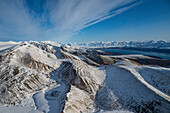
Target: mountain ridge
[
  {"x": 140, "y": 44},
  {"x": 52, "y": 77}
]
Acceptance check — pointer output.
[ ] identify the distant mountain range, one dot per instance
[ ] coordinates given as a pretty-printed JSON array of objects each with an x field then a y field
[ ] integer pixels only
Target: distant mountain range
[{"x": 139, "y": 44}]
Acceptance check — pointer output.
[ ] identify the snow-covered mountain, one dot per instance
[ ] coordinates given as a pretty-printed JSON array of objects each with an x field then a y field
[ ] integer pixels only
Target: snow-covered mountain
[
  {"x": 51, "y": 77},
  {"x": 140, "y": 44},
  {"x": 5, "y": 45}
]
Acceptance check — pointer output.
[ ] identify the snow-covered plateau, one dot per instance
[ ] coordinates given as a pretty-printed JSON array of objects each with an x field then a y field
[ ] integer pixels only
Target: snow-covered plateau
[{"x": 49, "y": 77}]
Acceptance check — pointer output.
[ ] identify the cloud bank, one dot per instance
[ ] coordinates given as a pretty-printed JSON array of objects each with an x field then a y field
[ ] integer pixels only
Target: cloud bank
[{"x": 55, "y": 19}]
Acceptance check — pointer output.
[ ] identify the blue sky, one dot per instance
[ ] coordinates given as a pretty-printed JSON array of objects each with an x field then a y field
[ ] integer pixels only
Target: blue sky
[{"x": 84, "y": 20}]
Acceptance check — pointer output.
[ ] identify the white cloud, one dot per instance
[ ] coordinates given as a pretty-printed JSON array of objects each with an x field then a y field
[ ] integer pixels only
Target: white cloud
[{"x": 58, "y": 19}]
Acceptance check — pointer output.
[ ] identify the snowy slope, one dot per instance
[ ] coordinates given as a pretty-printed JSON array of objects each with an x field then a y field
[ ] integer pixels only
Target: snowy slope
[{"x": 125, "y": 87}]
